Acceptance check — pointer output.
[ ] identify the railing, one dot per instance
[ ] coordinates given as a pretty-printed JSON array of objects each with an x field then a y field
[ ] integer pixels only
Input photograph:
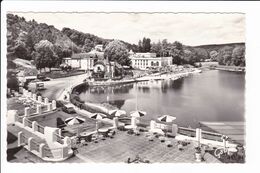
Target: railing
[
  {"x": 47, "y": 152},
  {"x": 32, "y": 111},
  {"x": 35, "y": 146},
  {"x": 28, "y": 123},
  {"x": 211, "y": 136},
  {"x": 187, "y": 131},
  {"x": 163, "y": 126},
  {"x": 59, "y": 138},
  {"x": 44, "y": 108},
  {"x": 53, "y": 153},
  {"x": 57, "y": 152},
  {"x": 24, "y": 139},
  {"x": 204, "y": 134},
  {"x": 19, "y": 119},
  {"x": 40, "y": 128}
]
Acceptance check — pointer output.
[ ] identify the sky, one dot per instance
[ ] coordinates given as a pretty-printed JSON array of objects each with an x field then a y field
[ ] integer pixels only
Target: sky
[{"x": 189, "y": 28}]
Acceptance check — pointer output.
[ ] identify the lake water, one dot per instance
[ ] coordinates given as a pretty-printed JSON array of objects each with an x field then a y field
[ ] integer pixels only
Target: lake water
[{"x": 208, "y": 96}]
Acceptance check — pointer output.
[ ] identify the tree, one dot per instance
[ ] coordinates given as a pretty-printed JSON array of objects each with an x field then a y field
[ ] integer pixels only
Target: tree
[
  {"x": 140, "y": 46},
  {"x": 176, "y": 51},
  {"x": 12, "y": 81},
  {"x": 201, "y": 54},
  {"x": 165, "y": 48},
  {"x": 59, "y": 52},
  {"x": 238, "y": 56},
  {"x": 146, "y": 44},
  {"x": 20, "y": 50},
  {"x": 156, "y": 48},
  {"x": 190, "y": 56},
  {"x": 88, "y": 45},
  {"x": 29, "y": 43},
  {"x": 45, "y": 55},
  {"x": 213, "y": 55},
  {"x": 116, "y": 51},
  {"x": 135, "y": 48},
  {"x": 225, "y": 55}
]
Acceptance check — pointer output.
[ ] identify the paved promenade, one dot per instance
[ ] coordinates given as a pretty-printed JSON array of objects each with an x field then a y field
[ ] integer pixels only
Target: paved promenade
[{"x": 123, "y": 146}]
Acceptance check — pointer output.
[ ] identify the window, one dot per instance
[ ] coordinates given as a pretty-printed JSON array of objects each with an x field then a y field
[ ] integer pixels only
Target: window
[
  {"x": 152, "y": 63},
  {"x": 157, "y": 63}
]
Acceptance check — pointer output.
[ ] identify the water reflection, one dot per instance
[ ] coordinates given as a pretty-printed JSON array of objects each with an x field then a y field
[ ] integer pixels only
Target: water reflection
[
  {"x": 160, "y": 85},
  {"x": 117, "y": 103},
  {"x": 209, "y": 96},
  {"x": 106, "y": 89}
]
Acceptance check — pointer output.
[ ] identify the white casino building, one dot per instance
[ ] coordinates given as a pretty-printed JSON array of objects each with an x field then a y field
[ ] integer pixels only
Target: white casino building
[{"x": 147, "y": 60}]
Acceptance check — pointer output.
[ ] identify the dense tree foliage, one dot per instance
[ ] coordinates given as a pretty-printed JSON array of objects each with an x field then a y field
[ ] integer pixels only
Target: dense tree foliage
[
  {"x": 213, "y": 55},
  {"x": 45, "y": 56},
  {"x": 227, "y": 54},
  {"x": 201, "y": 53},
  {"x": 22, "y": 36},
  {"x": 84, "y": 40},
  {"x": 144, "y": 45},
  {"x": 238, "y": 56},
  {"x": 12, "y": 81},
  {"x": 117, "y": 51},
  {"x": 157, "y": 48}
]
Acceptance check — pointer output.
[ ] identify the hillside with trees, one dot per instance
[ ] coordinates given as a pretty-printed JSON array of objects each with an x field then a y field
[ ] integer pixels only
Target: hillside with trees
[
  {"x": 47, "y": 46},
  {"x": 24, "y": 36},
  {"x": 88, "y": 41},
  {"x": 226, "y": 54}
]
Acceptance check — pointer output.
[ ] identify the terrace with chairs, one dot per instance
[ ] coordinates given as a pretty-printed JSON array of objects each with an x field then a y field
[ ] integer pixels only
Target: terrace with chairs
[{"x": 97, "y": 138}]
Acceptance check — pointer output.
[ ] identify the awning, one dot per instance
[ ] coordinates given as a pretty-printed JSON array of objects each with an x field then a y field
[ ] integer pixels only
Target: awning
[
  {"x": 137, "y": 113},
  {"x": 166, "y": 118},
  {"x": 74, "y": 120}
]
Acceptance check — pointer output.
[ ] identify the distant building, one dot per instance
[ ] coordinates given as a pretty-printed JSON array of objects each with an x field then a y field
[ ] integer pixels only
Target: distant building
[
  {"x": 84, "y": 61},
  {"x": 99, "y": 47},
  {"x": 148, "y": 60},
  {"x": 106, "y": 69}
]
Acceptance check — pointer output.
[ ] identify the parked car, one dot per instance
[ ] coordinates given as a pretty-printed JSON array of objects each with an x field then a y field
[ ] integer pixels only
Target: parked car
[
  {"x": 42, "y": 77},
  {"x": 40, "y": 86},
  {"x": 65, "y": 67},
  {"x": 68, "y": 109}
]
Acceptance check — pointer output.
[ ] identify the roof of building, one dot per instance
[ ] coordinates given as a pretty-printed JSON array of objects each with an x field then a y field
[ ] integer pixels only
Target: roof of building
[
  {"x": 143, "y": 55},
  {"x": 86, "y": 55}
]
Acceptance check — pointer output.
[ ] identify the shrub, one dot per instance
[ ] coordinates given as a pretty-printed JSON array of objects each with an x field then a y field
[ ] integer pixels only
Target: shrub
[{"x": 13, "y": 83}]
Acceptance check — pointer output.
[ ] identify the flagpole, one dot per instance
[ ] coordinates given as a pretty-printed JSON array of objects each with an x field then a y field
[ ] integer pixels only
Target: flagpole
[{"x": 136, "y": 96}]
